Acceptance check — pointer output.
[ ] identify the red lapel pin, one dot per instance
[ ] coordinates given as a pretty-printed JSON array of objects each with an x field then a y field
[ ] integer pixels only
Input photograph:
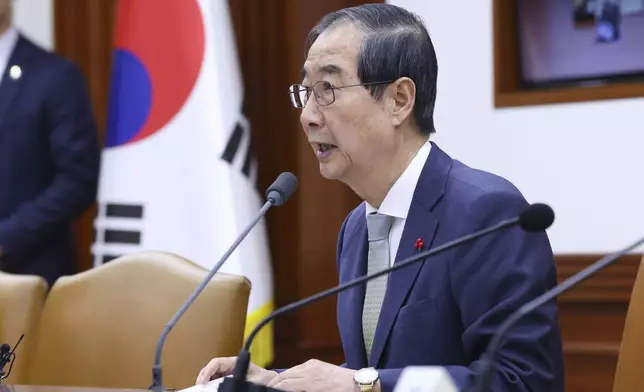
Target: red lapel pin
[{"x": 419, "y": 245}]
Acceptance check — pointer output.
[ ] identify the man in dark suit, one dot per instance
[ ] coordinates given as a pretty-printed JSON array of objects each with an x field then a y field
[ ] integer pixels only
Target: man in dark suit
[
  {"x": 367, "y": 103},
  {"x": 49, "y": 155}
]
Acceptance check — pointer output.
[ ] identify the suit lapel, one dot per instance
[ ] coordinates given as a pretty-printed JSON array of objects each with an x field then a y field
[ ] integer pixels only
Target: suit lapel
[
  {"x": 420, "y": 223},
  {"x": 351, "y": 302},
  {"x": 9, "y": 85}
]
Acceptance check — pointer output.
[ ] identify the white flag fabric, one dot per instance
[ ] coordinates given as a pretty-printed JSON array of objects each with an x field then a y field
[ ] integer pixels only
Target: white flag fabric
[{"x": 177, "y": 172}]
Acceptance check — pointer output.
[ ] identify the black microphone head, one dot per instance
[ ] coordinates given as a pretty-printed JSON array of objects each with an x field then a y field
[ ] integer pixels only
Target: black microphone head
[
  {"x": 537, "y": 217},
  {"x": 4, "y": 348},
  {"x": 282, "y": 188}
]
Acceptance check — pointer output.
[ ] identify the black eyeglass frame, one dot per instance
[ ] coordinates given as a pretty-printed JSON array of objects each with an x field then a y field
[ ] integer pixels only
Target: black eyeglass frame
[{"x": 295, "y": 89}]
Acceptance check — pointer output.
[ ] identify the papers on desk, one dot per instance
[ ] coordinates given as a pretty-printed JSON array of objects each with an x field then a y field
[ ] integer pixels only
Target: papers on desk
[
  {"x": 210, "y": 386},
  {"x": 425, "y": 379}
]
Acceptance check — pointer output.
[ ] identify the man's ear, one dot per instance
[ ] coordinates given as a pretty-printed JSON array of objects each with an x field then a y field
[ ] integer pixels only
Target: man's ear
[{"x": 403, "y": 93}]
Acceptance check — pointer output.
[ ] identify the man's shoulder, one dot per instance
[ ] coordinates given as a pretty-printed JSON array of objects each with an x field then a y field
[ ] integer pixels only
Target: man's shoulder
[
  {"x": 43, "y": 61},
  {"x": 466, "y": 184}
]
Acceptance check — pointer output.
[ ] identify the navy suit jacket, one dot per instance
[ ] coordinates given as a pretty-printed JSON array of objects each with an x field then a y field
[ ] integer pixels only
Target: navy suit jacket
[
  {"x": 49, "y": 161},
  {"x": 443, "y": 311}
]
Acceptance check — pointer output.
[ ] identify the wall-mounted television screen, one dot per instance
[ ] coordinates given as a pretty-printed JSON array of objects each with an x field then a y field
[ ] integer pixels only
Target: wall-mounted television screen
[{"x": 564, "y": 42}]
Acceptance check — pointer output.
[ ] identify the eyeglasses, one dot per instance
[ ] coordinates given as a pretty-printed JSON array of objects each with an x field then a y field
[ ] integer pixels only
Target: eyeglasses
[{"x": 323, "y": 91}]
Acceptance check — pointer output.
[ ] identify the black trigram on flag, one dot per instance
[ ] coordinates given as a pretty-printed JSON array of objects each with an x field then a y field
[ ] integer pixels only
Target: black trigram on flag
[
  {"x": 117, "y": 231},
  {"x": 239, "y": 141}
]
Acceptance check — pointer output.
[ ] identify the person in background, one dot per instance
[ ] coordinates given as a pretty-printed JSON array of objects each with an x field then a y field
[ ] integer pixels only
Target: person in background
[
  {"x": 49, "y": 155},
  {"x": 367, "y": 100}
]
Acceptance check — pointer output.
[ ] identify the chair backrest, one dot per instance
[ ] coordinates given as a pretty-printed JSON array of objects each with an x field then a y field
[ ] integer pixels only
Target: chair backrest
[
  {"x": 21, "y": 302},
  {"x": 629, "y": 375},
  {"x": 99, "y": 328}
]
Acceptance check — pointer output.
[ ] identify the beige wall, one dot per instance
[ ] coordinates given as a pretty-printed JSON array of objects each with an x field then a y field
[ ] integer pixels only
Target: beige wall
[
  {"x": 35, "y": 18},
  {"x": 584, "y": 159}
]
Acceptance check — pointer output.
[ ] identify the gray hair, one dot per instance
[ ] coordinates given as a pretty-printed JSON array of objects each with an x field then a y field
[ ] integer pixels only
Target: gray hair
[{"x": 396, "y": 45}]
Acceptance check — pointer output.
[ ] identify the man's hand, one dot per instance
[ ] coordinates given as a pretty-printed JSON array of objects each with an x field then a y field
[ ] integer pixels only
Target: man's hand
[
  {"x": 315, "y": 376},
  {"x": 222, "y": 367}
]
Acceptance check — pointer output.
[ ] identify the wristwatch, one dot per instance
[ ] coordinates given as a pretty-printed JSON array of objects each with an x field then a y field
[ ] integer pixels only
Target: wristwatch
[{"x": 365, "y": 379}]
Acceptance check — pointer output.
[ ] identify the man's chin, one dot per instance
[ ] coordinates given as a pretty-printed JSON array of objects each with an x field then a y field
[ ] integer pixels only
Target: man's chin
[{"x": 329, "y": 172}]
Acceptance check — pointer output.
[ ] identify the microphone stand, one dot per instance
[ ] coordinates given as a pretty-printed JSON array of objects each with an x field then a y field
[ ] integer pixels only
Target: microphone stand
[
  {"x": 277, "y": 194},
  {"x": 157, "y": 383},
  {"x": 486, "y": 366},
  {"x": 9, "y": 357},
  {"x": 238, "y": 382}
]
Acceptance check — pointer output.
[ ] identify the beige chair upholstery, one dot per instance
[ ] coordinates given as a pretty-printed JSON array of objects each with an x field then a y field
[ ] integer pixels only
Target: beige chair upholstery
[
  {"x": 21, "y": 302},
  {"x": 629, "y": 376},
  {"x": 99, "y": 328}
]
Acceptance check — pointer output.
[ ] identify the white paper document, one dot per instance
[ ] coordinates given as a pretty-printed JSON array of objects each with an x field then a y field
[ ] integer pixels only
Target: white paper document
[{"x": 210, "y": 386}]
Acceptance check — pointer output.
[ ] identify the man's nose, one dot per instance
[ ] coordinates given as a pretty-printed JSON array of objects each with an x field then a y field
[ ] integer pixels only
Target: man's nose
[{"x": 311, "y": 117}]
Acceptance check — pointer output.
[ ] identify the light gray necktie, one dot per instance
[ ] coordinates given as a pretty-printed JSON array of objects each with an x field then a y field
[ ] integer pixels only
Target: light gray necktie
[{"x": 378, "y": 227}]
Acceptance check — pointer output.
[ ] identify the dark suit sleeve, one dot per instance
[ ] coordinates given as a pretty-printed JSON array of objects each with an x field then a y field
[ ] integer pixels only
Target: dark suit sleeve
[
  {"x": 75, "y": 154},
  {"x": 339, "y": 251},
  {"x": 492, "y": 278}
]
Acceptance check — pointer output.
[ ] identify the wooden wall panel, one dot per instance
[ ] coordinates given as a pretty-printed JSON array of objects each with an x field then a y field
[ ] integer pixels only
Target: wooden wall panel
[
  {"x": 592, "y": 320},
  {"x": 270, "y": 37},
  {"x": 83, "y": 34},
  {"x": 302, "y": 234}
]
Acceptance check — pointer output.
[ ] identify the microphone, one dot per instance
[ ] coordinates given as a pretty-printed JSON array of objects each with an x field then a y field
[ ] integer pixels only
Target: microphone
[
  {"x": 277, "y": 194},
  {"x": 8, "y": 355},
  {"x": 537, "y": 217},
  {"x": 486, "y": 366},
  {"x": 5, "y": 357},
  {"x": 283, "y": 187}
]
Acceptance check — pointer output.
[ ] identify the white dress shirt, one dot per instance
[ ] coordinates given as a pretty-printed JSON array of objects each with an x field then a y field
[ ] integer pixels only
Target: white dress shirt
[
  {"x": 8, "y": 41},
  {"x": 398, "y": 200}
]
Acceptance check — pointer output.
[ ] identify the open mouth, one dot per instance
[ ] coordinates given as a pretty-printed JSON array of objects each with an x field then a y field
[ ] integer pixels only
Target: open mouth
[{"x": 325, "y": 147}]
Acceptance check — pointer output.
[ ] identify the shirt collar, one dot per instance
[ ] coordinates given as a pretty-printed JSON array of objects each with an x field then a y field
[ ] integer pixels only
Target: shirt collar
[
  {"x": 398, "y": 200},
  {"x": 8, "y": 41}
]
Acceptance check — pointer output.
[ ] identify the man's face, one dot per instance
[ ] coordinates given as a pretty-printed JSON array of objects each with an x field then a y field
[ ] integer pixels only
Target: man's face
[{"x": 349, "y": 135}]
